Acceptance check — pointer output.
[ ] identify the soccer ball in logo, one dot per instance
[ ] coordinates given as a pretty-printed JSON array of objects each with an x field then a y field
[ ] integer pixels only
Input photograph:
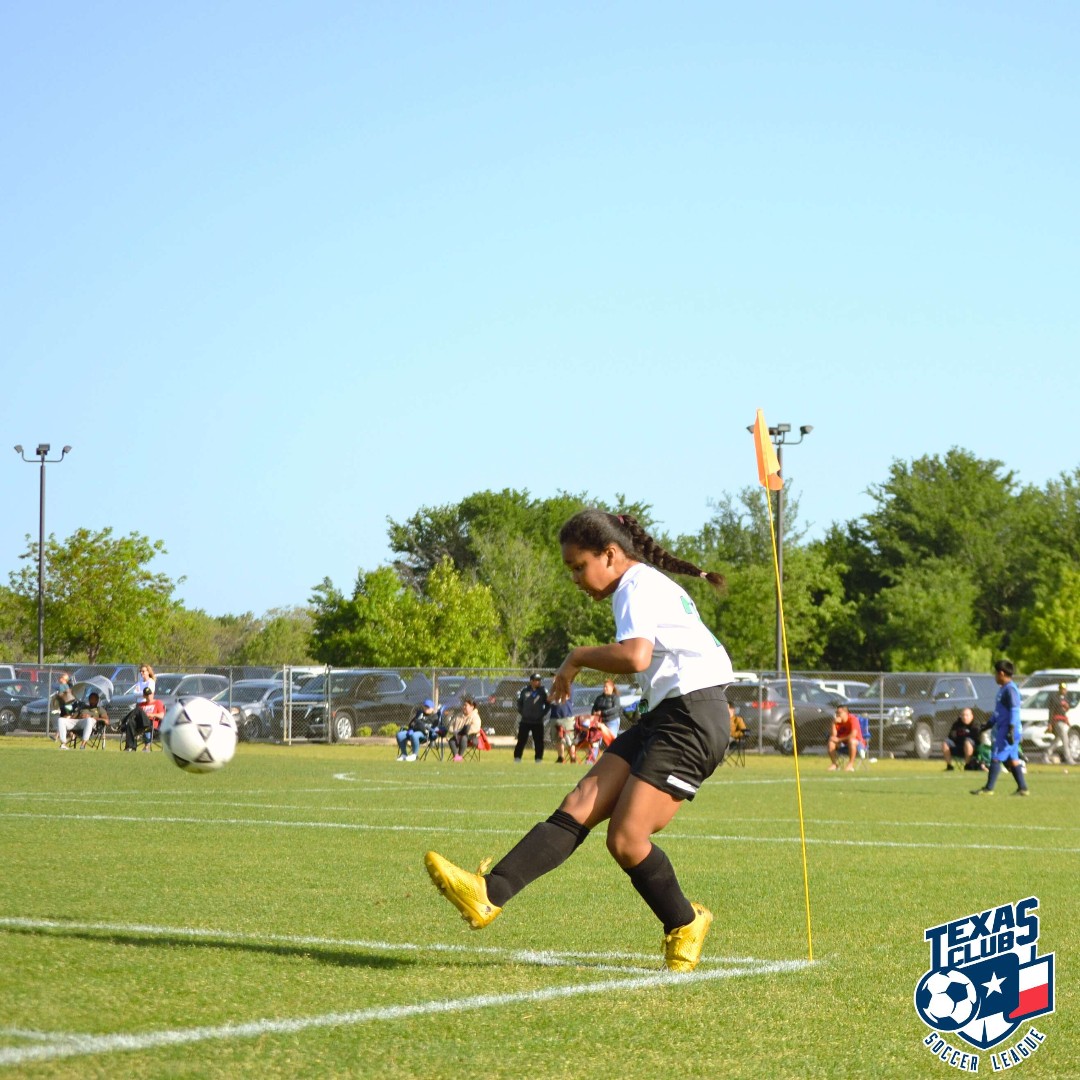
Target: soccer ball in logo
[
  {"x": 948, "y": 998},
  {"x": 199, "y": 735}
]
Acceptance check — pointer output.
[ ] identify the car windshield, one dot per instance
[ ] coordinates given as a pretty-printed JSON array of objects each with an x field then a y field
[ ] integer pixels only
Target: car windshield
[
  {"x": 13, "y": 684},
  {"x": 340, "y": 683},
  {"x": 1043, "y": 699},
  {"x": 242, "y": 695},
  {"x": 166, "y": 684},
  {"x": 895, "y": 686}
]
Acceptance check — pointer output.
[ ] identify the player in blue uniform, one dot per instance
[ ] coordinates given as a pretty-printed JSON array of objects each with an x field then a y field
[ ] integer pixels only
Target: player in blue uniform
[
  {"x": 1007, "y": 731},
  {"x": 651, "y": 768}
]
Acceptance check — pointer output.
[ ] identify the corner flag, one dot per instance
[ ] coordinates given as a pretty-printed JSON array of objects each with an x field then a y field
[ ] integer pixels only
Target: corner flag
[{"x": 768, "y": 467}]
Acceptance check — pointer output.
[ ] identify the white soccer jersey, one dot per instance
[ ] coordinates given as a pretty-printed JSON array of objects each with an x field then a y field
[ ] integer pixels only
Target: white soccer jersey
[{"x": 686, "y": 656}]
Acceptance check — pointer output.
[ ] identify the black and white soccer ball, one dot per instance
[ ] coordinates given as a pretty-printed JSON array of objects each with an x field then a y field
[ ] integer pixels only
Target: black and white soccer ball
[
  {"x": 948, "y": 998},
  {"x": 198, "y": 734}
]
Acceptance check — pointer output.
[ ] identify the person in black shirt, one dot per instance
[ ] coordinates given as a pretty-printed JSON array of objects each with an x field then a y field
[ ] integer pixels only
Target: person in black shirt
[
  {"x": 532, "y": 707},
  {"x": 961, "y": 740}
]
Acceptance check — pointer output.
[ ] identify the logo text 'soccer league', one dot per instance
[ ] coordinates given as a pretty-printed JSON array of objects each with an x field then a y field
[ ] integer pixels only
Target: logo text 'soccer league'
[{"x": 986, "y": 977}]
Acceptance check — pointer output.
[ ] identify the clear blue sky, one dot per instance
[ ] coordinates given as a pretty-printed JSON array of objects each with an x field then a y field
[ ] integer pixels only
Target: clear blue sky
[{"x": 280, "y": 271}]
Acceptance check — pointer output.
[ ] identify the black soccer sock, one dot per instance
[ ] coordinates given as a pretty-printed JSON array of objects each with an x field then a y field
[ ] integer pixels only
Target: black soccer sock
[
  {"x": 1019, "y": 772},
  {"x": 995, "y": 772},
  {"x": 542, "y": 848},
  {"x": 654, "y": 878}
]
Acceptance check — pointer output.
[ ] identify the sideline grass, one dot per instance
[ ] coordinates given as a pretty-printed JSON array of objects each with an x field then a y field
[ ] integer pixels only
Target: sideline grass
[{"x": 140, "y": 902}]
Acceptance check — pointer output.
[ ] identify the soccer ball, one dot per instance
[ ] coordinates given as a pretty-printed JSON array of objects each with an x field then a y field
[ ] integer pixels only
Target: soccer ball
[
  {"x": 199, "y": 735},
  {"x": 948, "y": 998}
]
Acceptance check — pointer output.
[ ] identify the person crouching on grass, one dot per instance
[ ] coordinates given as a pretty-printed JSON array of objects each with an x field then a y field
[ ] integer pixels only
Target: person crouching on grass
[
  {"x": 845, "y": 732},
  {"x": 638, "y": 785}
]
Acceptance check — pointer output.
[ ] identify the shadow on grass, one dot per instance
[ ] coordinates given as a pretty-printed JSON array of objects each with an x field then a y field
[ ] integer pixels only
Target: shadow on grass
[{"x": 333, "y": 957}]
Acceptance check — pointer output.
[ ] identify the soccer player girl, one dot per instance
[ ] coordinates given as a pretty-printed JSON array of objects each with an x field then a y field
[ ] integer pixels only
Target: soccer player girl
[{"x": 638, "y": 785}]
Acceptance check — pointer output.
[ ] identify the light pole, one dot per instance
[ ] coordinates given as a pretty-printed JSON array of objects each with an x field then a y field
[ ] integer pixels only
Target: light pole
[
  {"x": 41, "y": 454},
  {"x": 779, "y": 435}
]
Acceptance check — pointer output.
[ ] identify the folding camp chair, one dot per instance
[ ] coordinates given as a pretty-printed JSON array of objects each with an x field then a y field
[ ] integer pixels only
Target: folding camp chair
[
  {"x": 863, "y": 750},
  {"x": 736, "y": 751},
  {"x": 476, "y": 744},
  {"x": 435, "y": 740},
  {"x": 434, "y": 745},
  {"x": 97, "y": 736}
]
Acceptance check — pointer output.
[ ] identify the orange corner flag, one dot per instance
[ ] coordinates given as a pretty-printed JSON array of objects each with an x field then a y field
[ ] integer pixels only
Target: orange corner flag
[{"x": 768, "y": 468}]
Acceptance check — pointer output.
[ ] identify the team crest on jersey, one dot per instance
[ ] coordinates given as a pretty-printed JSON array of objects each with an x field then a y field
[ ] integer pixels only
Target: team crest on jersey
[{"x": 986, "y": 979}]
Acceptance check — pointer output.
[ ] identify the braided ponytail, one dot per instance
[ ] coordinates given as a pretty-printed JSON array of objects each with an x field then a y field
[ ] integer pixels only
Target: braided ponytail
[{"x": 593, "y": 530}]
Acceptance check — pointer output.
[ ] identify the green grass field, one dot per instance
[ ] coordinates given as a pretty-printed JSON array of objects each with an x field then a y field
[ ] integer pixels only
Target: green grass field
[{"x": 275, "y": 919}]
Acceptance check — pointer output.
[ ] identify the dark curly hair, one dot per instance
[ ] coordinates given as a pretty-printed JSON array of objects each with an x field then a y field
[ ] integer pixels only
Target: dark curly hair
[{"x": 592, "y": 530}]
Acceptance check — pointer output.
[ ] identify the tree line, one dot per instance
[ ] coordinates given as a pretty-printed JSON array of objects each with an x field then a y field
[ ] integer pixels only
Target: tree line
[{"x": 956, "y": 563}]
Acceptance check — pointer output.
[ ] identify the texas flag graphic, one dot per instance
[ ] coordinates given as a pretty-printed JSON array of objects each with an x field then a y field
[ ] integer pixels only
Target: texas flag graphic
[
  {"x": 1036, "y": 989},
  {"x": 1009, "y": 993}
]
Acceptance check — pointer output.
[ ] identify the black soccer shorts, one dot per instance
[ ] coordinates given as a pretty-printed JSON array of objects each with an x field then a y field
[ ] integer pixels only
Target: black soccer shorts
[{"x": 678, "y": 745}]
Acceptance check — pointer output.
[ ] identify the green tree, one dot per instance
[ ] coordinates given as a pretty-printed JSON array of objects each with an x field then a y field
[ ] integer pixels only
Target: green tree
[
  {"x": 284, "y": 637},
  {"x": 387, "y": 623},
  {"x": 508, "y": 540},
  {"x": 968, "y": 513},
  {"x": 928, "y": 618},
  {"x": 186, "y": 639},
  {"x": 101, "y": 600},
  {"x": 737, "y": 541},
  {"x": 17, "y": 636},
  {"x": 523, "y": 582},
  {"x": 1049, "y": 633}
]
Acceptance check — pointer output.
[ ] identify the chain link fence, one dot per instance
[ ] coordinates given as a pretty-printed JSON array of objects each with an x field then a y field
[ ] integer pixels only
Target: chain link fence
[{"x": 909, "y": 713}]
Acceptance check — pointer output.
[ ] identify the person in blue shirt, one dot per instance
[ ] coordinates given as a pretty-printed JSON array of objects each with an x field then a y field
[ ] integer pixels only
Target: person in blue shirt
[{"x": 1007, "y": 731}]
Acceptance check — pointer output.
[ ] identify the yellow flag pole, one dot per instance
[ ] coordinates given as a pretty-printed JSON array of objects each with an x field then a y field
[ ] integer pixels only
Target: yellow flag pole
[{"x": 770, "y": 479}]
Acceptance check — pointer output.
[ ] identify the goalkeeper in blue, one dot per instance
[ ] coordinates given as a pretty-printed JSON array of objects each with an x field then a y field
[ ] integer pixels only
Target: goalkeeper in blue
[{"x": 1007, "y": 733}]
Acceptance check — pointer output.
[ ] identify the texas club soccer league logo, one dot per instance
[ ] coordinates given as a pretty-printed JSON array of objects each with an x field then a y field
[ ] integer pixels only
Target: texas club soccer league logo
[{"x": 986, "y": 979}]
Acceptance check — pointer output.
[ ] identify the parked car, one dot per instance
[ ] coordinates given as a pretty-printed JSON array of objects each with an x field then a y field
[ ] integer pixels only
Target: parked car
[
  {"x": 356, "y": 696},
  {"x": 122, "y": 676},
  {"x": 766, "y": 708},
  {"x": 249, "y": 701},
  {"x": 1035, "y": 714},
  {"x": 169, "y": 687},
  {"x": 915, "y": 711},
  {"x": 1050, "y": 677},
  {"x": 848, "y": 688},
  {"x": 14, "y": 694},
  {"x": 452, "y": 688}
]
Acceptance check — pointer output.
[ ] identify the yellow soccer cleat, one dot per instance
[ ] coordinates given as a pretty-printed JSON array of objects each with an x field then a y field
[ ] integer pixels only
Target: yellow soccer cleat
[
  {"x": 467, "y": 892},
  {"x": 682, "y": 947}
]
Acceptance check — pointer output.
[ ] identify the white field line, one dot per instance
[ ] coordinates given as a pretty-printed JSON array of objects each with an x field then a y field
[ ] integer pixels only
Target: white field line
[
  {"x": 735, "y": 838},
  {"x": 440, "y": 811},
  {"x": 411, "y": 785},
  {"x": 703, "y": 815},
  {"x": 71, "y": 1045},
  {"x": 543, "y": 957}
]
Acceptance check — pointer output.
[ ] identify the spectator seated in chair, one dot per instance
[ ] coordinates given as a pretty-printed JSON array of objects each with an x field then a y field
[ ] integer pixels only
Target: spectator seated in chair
[
  {"x": 87, "y": 716},
  {"x": 736, "y": 752},
  {"x": 140, "y": 724},
  {"x": 422, "y": 725},
  {"x": 846, "y": 731},
  {"x": 593, "y": 736},
  {"x": 738, "y": 724},
  {"x": 464, "y": 728}
]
